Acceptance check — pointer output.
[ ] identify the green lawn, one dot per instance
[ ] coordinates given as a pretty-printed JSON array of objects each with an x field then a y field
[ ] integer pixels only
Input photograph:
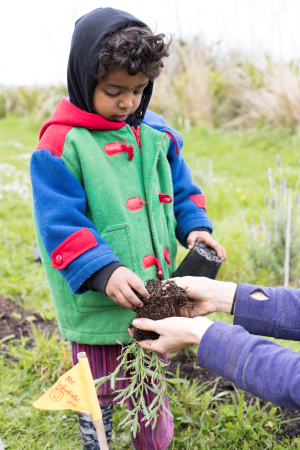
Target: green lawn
[{"x": 234, "y": 182}]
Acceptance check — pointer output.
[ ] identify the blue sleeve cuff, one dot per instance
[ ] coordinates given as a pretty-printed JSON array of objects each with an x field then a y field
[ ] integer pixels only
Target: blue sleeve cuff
[
  {"x": 83, "y": 267},
  {"x": 203, "y": 221}
]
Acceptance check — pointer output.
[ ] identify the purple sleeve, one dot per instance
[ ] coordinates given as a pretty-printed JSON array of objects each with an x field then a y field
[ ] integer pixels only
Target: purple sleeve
[
  {"x": 278, "y": 317},
  {"x": 254, "y": 364}
]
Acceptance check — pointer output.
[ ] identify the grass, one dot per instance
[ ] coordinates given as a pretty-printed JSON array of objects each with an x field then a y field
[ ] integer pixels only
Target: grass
[
  {"x": 239, "y": 183},
  {"x": 20, "y": 277}
]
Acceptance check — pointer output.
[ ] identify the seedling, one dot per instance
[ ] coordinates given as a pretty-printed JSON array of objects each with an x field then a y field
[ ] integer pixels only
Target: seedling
[
  {"x": 147, "y": 372},
  {"x": 144, "y": 369}
]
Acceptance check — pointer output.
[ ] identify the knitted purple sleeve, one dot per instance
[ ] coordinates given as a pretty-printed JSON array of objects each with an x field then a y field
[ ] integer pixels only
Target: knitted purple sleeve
[
  {"x": 278, "y": 317},
  {"x": 261, "y": 367},
  {"x": 254, "y": 364}
]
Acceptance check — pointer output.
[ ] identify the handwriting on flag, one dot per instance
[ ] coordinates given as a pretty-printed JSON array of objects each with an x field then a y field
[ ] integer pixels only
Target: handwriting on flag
[{"x": 74, "y": 390}]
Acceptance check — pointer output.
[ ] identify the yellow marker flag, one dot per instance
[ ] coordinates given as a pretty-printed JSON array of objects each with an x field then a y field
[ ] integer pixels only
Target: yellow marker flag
[{"x": 74, "y": 390}]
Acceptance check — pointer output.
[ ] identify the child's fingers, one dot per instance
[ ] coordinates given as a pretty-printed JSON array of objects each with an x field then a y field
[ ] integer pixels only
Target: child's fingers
[
  {"x": 191, "y": 241},
  {"x": 137, "y": 284},
  {"x": 220, "y": 251},
  {"x": 217, "y": 247},
  {"x": 121, "y": 300},
  {"x": 131, "y": 297},
  {"x": 223, "y": 253}
]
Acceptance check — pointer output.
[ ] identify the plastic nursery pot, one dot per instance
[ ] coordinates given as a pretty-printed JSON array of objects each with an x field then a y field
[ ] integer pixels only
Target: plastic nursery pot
[{"x": 201, "y": 261}]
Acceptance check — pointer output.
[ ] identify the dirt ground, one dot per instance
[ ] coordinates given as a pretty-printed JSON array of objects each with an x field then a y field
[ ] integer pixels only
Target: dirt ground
[{"x": 16, "y": 322}]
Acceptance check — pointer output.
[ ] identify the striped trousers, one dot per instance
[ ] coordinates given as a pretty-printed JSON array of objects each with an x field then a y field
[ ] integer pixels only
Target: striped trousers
[{"x": 103, "y": 361}]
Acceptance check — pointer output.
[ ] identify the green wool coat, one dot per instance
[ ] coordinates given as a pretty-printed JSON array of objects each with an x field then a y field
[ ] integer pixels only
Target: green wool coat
[{"x": 109, "y": 181}]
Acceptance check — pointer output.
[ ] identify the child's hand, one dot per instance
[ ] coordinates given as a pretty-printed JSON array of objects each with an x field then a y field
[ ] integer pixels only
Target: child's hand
[
  {"x": 119, "y": 286},
  {"x": 204, "y": 236}
]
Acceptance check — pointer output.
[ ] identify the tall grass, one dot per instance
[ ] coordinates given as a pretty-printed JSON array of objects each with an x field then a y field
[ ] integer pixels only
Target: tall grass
[
  {"x": 199, "y": 84},
  {"x": 227, "y": 90}
]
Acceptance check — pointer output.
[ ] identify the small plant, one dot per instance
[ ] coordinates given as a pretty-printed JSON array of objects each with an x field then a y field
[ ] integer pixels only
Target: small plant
[
  {"x": 266, "y": 241},
  {"x": 146, "y": 371}
]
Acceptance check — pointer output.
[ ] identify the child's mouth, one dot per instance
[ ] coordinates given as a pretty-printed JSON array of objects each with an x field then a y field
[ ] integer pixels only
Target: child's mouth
[{"x": 120, "y": 118}]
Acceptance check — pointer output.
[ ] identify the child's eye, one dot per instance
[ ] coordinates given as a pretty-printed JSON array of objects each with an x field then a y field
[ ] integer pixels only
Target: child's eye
[
  {"x": 111, "y": 95},
  {"x": 138, "y": 93}
]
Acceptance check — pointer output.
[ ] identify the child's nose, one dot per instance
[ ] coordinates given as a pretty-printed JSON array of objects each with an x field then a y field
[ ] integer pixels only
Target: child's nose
[{"x": 126, "y": 101}]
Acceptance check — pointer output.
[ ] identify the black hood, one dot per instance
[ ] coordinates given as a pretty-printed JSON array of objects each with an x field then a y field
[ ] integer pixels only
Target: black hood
[{"x": 90, "y": 36}]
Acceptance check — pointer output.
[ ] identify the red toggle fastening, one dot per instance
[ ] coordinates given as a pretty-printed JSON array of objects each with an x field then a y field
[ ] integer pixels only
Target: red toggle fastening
[
  {"x": 159, "y": 271},
  {"x": 128, "y": 149},
  {"x": 149, "y": 261},
  {"x": 135, "y": 203},
  {"x": 165, "y": 198},
  {"x": 116, "y": 148},
  {"x": 136, "y": 133},
  {"x": 166, "y": 255}
]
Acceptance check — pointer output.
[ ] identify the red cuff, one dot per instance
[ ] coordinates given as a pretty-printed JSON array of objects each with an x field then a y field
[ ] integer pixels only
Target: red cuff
[
  {"x": 75, "y": 245},
  {"x": 199, "y": 199}
]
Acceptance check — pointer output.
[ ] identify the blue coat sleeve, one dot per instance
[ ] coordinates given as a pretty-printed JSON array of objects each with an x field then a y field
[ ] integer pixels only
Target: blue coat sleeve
[
  {"x": 278, "y": 317},
  {"x": 254, "y": 364},
  {"x": 187, "y": 213},
  {"x": 60, "y": 210}
]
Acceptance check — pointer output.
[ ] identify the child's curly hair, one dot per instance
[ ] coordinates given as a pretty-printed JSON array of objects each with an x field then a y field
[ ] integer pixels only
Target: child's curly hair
[{"x": 135, "y": 48}]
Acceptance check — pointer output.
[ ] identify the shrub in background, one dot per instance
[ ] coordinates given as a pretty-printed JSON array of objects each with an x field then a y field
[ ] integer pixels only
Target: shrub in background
[
  {"x": 265, "y": 248},
  {"x": 203, "y": 83},
  {"x": 199, "y": 84},
  {"x": 39, "y": 101},
  {"x": 182, "y": 90}
]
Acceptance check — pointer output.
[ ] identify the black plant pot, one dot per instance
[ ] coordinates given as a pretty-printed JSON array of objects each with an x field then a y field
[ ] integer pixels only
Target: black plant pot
[{"x": 202, "y": 261}]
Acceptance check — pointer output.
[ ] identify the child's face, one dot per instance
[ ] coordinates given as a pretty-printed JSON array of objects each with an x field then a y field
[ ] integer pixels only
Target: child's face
[{"x": 119, "y": 94}]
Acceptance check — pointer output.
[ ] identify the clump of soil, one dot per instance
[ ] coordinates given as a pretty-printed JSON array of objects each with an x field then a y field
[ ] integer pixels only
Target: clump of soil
[
  {"x": 16, "y": 322},
  {"x": 165, "y": 300}
]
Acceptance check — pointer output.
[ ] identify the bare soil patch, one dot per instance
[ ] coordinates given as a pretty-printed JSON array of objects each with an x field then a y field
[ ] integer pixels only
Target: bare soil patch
[{"x": 16, "y": 322}]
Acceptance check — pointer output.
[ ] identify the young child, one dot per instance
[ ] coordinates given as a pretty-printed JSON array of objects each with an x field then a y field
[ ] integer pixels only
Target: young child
[{"x": 111, "y": 195}]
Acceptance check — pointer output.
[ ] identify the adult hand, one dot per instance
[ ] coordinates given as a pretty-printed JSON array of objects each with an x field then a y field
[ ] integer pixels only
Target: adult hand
[
  {"x": 175, "y": 333},
  {"x": 207, "y": 295},
  {"x": 119, "y": 286},
  {"x": 204, "y": 236}
]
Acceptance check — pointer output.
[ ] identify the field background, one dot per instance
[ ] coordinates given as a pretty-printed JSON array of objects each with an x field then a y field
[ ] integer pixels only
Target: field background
[
  {"x": 238, "y": 109},
  {"x": 231, "y": 166}
]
